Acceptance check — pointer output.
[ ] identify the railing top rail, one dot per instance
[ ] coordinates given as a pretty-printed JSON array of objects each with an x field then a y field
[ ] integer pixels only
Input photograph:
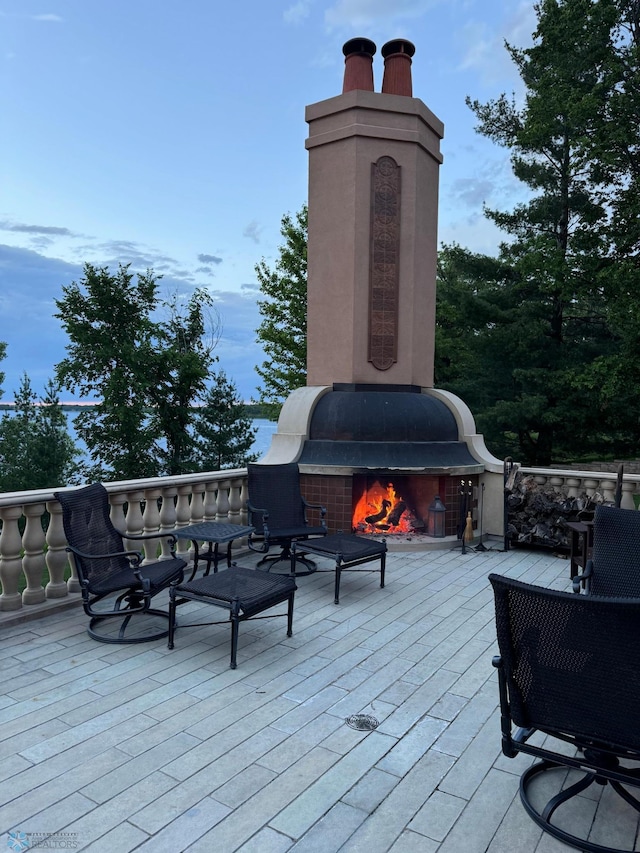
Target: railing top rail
[
  {"x": 579, "y": 474},
  {"x": 44, "y": 495}
]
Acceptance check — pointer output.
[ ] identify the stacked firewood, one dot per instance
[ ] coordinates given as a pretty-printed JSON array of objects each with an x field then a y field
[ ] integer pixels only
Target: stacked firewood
[{"x": 538, "y": 514}]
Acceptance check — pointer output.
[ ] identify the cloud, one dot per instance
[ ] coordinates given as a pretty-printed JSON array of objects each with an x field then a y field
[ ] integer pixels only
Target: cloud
[
  {"x": 47, "y": 17},
  {"x": 253, "y": 231},
  {"x": 27, "y": 271},
  {"x": 298, "y": 12},
  {"x": 21, "y": 228},
  {"x": 483, "y": 45},
  {"x": 209, "y": 259}
]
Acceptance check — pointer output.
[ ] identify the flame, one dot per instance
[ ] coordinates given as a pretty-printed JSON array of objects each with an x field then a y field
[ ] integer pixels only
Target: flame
[{"x": 382, "y": 510}]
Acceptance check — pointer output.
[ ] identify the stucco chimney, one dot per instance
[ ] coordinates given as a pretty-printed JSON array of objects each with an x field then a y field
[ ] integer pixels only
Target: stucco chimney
[
  {"x": 358, "y": 65},
  {"x": 397, "y": 67}
]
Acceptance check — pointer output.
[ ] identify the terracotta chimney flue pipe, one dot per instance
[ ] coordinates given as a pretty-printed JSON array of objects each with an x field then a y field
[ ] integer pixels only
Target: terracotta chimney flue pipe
[
  {"x": 397, "y": 67},
  {"x": 358, "y": 65}
]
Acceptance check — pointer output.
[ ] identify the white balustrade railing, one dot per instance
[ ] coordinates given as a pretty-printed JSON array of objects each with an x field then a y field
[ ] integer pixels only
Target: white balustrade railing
[{"x": 32, "y": 537}]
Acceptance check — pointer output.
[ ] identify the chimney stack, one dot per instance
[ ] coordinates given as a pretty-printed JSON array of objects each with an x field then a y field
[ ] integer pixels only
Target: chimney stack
[
  {"x": 397, "y": 67},
  {"x": 358, "y": 65}
]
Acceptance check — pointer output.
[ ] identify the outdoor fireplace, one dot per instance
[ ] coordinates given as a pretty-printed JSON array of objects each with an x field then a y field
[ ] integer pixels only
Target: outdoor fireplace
[{"x": 374, "y": 441}]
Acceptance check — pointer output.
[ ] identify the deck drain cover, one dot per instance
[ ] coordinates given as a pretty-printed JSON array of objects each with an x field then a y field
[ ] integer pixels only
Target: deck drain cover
[{"x": 362, "y": 722}]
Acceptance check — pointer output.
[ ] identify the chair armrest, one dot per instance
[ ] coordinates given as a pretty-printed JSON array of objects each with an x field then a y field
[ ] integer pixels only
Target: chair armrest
[
  {"x": 583, "y": 580},
  {"x": 323, "y": 510},
  {"x": 142, "y": 536},
  {"x": 264, "y": 546},
  {"x": 129, "y": 554}
]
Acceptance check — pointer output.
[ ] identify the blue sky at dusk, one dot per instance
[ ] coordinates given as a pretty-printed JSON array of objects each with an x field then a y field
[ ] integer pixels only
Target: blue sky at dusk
[{"x": 169, "y": 134}]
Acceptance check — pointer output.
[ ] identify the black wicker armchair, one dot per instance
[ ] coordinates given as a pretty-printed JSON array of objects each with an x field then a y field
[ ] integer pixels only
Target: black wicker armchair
[
  {"x": 568, "y": 669},
  {"x": 614, "y": 566},
  {"x": 278, "y": 512},
  {"x": 110, "y": 573}
]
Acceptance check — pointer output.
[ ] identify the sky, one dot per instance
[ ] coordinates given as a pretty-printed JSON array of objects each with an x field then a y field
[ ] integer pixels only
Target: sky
[{"x": 169, "y": 135}]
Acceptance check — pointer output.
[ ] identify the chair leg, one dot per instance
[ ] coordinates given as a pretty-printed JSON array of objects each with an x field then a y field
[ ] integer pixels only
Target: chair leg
[
  {"x": 235, "y": 624},
  {"x": 336, "y": 599},
  {"x": 383, "y": 564},
  {"x": 290, "y": 616},
  {"x": 172, "y": 616}
]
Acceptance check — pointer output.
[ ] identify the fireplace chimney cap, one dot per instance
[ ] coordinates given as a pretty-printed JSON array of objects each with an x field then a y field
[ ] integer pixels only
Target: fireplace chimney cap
[
  {"x": 359, "y": 45},
  {"x": 398, "y": 46}
]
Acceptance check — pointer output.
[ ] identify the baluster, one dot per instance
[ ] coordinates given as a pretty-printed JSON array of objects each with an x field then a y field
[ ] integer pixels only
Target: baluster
[
  {"x": 210, "y": 501},
  {"x": 590, "y": 485},
  {"x": 223, "y": 500},
  {"x": 608, "y": 488},
  {"x": 10, "y": 558},
  {"x": 627, "y": 496},
  {"x": 57, "y": 557},
  {"x": 168, "y": 517},
  {"x": 134, "y": 520},
  {"x": 33, "y": 562},
  {"x": 244, "y": 497},
  {"x": 151, "y": 523},
  {"x": 573, "y": 487},
  {"x": 183, "y": 515},
  {"x": 235, "y": 502},
  {"x": 197, "y": 504}
]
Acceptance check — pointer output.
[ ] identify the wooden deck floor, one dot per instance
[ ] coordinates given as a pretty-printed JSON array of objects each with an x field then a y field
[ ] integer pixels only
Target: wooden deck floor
[{"x": 114, "y": 748}]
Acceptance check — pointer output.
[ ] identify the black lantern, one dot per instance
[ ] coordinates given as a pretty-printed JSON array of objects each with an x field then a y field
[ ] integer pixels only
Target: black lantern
[{"x": 435, "y": 518}]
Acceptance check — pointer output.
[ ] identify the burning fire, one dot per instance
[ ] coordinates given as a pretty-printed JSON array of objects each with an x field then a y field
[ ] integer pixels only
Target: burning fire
[{"x": 382, "y": 510}]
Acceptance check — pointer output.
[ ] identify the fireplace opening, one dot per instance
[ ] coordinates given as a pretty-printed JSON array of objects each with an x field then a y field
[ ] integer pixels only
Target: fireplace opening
[{"x": 392, "y": 504}]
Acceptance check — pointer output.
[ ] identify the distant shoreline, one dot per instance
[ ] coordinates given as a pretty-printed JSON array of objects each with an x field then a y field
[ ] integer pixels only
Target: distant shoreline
[{"x": 9, "y": 405}]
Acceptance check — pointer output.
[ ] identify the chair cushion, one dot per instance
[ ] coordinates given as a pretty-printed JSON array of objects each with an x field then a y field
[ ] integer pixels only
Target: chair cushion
[
  {"x": 295, "y": 532},
  {"x": 160, "y": 574},
  {"x": 254, "y": 590},
  {"x": 351, "y": 547}
]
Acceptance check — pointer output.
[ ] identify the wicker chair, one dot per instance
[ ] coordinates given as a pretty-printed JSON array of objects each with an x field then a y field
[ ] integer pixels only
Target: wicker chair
[
  {"x": 278, "y": 512},
  {"x": 568, "y": 669},
  {"x": 614, "y": 566},
  {"x": 108, "y": 571}
]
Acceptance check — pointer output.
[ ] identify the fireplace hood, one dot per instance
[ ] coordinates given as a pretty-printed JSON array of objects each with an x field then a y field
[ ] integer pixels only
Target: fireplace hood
[{"x": 385, "y": 428}]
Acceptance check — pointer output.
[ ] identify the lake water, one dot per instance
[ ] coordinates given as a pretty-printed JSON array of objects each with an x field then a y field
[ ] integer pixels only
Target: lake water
[{"x": 263, "y": 437}]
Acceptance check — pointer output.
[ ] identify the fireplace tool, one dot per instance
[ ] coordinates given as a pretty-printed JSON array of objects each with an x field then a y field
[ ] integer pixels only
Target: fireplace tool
[
  {"x": 481, "y": 546},
  {"x": 465, "y": 502}
]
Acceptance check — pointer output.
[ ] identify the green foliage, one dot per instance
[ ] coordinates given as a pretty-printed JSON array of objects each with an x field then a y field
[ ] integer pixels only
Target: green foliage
[
  {"x": 283, "y": 330},
  {"x": 223, "y": 430},
  {"x": 36, "y": 450},
  {"x": 538, "y": 340},
  {"x": 145, "y": 372},
  {"x": 182, "y": 363}
]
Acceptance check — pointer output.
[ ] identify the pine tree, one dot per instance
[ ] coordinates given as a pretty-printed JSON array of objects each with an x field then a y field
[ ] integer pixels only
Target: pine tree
[
  {"x": 224, "y": 434},
  {"x": 283, "y": 331},
  {"x": 549, "y": 318},
  {"x": 36, "y": 450}
]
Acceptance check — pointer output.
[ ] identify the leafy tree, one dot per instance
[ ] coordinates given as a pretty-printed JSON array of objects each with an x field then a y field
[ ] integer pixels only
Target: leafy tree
[
  {"x": 283, "y": 330},
  {"x": 541, "y": 313},
  {"x": 36, "y": 450},
  {"x": 108, "y": 320},
  {"x": 224, "y": 432},
  {"x": 145, "y": 372},
  {"x": 182, "y": 367}
]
